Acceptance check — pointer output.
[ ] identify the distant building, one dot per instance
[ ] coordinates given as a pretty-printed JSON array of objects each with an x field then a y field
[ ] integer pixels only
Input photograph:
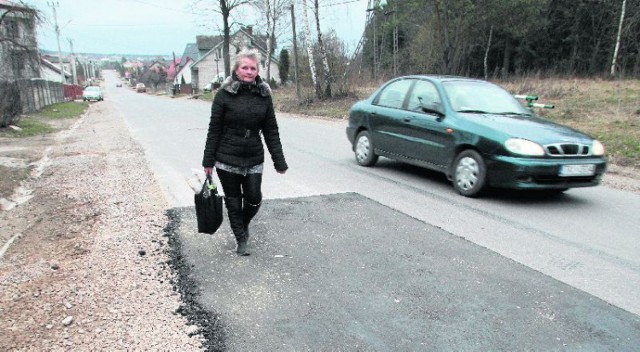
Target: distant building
[
  {"x": 182, "y": 78},
  {"x": 51, "y": 72},
  {"x": 18, "y": 44},
  {"x": 154, "y": 75},
  {"x": 55, "y": 61},
  {"x": 210, "y": 66}
]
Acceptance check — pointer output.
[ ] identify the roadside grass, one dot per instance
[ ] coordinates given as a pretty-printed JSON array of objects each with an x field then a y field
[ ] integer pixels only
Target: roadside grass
[
  {"x": 208, "y": 96},
  {"x": 607, "y": 110},
  {"x": 39, "y": 123},
  {"x": 285, "y": 100}
]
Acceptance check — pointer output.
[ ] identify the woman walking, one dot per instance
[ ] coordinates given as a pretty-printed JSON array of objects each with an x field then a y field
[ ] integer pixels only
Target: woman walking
[{"x": 241, "y": 112}]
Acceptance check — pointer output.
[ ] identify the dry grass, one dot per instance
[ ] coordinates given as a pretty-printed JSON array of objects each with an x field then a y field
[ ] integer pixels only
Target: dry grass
[
  {"x": 607, "y": 110},
  {"x": 338, "y": 107}
]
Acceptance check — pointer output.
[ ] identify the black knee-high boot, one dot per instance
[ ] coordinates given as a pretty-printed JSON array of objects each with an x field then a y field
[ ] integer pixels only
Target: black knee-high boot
[
  {"x": 234, "y": 210},
  {"x": 248, "y": 212}
]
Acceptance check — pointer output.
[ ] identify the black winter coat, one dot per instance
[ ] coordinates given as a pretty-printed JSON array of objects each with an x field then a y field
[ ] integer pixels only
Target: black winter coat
[{"x": 239, "y": 113}]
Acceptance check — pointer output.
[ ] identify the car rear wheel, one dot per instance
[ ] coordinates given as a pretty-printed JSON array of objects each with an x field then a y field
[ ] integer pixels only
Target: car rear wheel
[
  {"x": 365, "y": 155},
  {"x": 469, "y": 174}
]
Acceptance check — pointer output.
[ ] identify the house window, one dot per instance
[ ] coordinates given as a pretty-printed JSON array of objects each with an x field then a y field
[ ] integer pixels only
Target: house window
[
  {"x": 30, "y": 24},
  {"x": 13, "y": 31},
  {"x": 17, "y": 61}
]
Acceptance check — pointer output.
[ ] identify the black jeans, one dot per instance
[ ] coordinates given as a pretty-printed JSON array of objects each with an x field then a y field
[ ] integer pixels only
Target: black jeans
[{"x": 236, "y": 185}]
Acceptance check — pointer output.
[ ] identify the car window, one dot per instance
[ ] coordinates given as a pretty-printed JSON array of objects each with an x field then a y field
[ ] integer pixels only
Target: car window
[
  {"x": 423, "y": 94},
  {"x": 393, "y": 95},
  {"x": 481, "y": 96},
  {"x": 93, "y": 89}
]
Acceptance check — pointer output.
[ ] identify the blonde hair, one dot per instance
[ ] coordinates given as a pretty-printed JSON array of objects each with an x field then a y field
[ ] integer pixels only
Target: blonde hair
[{"x": 252, "y": 54}]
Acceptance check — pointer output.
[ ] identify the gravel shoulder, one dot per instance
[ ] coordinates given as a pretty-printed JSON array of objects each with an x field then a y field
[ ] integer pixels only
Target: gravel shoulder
[
  {"x": 88, "y": 265},
  {"x": 84, "y": 260}
]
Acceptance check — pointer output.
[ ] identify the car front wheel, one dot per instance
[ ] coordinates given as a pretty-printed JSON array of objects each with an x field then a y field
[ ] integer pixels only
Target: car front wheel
[
  {"x": 469, "y": 174},
  {"x": 365, "y": 155}
]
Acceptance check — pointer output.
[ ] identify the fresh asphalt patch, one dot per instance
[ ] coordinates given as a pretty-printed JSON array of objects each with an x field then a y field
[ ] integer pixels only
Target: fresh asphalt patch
[{"x": 343, "y": 272}]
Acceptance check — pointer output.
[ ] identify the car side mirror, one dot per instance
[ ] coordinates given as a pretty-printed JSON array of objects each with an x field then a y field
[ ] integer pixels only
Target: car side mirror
[{"x": 432, "y": 108}]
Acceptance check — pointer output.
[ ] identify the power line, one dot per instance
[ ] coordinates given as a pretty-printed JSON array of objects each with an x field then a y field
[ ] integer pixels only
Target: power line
[
  {"x": 340, "y": 3},
  {"x": 159, "y": 7}
]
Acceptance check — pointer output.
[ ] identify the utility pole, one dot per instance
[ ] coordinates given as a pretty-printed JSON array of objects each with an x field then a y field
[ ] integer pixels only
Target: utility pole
[
  {"x": 295, "y": 52},
  {"x": 73, "y": 63},
  {"x": 55, "y": 19}
]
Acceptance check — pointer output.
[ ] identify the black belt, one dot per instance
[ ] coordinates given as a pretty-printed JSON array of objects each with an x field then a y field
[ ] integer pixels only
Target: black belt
[{"x": 242, "y": 132}]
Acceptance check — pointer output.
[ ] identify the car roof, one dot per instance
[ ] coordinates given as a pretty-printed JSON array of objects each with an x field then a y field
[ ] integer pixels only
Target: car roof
[{"x": 445, "y": 78}]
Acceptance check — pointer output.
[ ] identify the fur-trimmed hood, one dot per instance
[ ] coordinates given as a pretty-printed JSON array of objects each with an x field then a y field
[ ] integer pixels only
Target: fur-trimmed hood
[{"x": 232, "y": 85}]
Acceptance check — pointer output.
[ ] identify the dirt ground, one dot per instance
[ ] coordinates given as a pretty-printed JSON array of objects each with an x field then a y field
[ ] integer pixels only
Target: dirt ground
[{"x": 83, "y": 256}]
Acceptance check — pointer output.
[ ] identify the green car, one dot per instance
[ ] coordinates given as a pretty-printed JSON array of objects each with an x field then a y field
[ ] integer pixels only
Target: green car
[
  {"x": 475, "y": 132},
  {"x": 92, "y": 93}
]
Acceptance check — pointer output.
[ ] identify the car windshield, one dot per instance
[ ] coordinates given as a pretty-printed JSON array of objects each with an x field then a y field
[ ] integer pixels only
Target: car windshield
[
  {"x": 92, "y": 89},
  {"x": 481, "y": 97}
]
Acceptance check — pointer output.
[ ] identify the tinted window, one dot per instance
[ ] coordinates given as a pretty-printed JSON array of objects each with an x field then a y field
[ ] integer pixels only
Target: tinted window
[
  {"x": 424, "y": 94},
  {"x": 393, "y": 95}
]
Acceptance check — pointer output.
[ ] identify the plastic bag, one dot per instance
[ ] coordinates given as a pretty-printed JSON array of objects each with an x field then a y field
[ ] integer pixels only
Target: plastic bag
[{"x": 208, "y": 207}]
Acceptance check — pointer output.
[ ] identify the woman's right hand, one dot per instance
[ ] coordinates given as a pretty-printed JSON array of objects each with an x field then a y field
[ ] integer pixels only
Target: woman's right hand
[{"x": 208, "y": 171}]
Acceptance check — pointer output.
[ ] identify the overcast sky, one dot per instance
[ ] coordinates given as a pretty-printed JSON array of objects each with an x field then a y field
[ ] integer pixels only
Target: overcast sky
[{"x": 160, "y": 27}]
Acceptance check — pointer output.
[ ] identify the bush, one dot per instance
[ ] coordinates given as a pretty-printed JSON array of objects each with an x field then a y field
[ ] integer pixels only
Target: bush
[{"x": 10, "y": 103}]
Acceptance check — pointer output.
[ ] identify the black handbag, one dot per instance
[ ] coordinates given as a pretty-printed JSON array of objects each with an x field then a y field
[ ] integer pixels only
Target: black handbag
[{"x": 208, "y": 207}]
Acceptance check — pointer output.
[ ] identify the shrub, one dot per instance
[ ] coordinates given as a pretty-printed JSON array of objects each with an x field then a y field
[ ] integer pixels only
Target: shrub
[{"x": 10, "y": 103}]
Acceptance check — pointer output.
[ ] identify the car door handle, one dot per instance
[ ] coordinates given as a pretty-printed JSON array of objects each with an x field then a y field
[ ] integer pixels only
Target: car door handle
[{"x": 407, "y": 119}]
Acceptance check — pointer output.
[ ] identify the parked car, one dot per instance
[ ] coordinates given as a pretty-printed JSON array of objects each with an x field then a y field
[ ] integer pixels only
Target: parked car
[
  {"x": 141, "y": 88},
  {"x": 92, "y": 93},
  {"x": 475, "y": 132},
  {"x": 118, "y": 84}
]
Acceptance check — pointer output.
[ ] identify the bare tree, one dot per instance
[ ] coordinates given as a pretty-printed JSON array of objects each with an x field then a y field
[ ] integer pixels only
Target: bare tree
[
  {"x": 312, "y": 65},
  {"x": 323, "y": 53},
  {"x": 615, "y": 51},
  {"x": 225, "y": 7},
  {"x": 486, "y": 54},
  {"x": 273, "y": 10}
]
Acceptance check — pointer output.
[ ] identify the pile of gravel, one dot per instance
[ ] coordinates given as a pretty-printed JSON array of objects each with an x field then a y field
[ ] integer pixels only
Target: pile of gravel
[{"x": 90, "y": 269}]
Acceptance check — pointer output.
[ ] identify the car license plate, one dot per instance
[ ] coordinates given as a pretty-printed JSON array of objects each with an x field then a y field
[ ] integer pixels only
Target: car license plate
[{"x": 578, "y": 170}]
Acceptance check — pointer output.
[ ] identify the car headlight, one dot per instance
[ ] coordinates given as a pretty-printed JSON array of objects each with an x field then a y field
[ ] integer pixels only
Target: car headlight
[
  {"x": 597, "y": 148},
  {"x": 523, "y": 147}
]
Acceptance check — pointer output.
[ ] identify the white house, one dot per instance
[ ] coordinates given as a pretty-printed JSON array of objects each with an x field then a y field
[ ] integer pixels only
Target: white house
[{"x": 210, "y": 67}]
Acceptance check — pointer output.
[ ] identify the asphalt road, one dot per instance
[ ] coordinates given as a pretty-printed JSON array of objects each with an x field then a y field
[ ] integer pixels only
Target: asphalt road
[{"x": 525, "y": 249}]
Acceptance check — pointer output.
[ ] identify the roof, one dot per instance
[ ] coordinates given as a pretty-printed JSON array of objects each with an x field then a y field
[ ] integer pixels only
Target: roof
[
  {"x": 257, "y": 42},
  {"x": 190, "y": 52},
  {"x": 52, "y": 66},
  {"x": 208, "y": 42},
  {"x": 8, "y": 4}
]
